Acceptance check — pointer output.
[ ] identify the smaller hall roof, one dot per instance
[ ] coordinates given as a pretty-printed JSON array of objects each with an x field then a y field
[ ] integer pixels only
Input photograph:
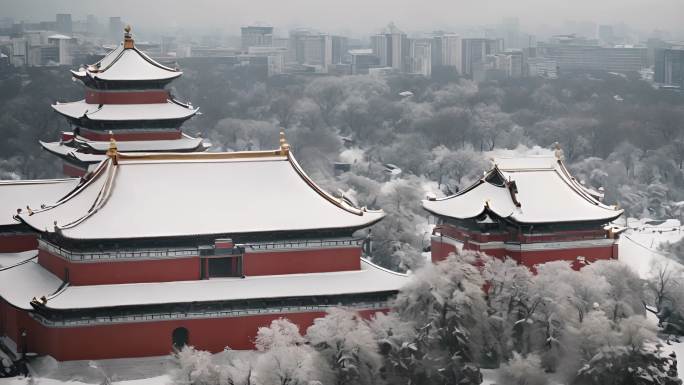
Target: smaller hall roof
[
  {"x": 171, "y": 110},
  {"x": 186, "y": 194},
  {"x": 537, "y": 189},
  {"x": 25, "y": 279},
  {"x": 127, "y": 63},
  {"x": 17, "y": 194}
]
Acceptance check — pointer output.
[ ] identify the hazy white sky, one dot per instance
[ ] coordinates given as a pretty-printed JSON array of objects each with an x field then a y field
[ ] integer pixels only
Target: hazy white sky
[{"x": 358, "y": 16}]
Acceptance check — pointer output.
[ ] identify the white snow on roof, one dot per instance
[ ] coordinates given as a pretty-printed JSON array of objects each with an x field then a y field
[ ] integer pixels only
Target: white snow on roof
[
  {"x": 19, "y": 284},
  {"x": 11, "y": 259},
  {"x": 60, "y": 37},
  {"x": 525, "y": 162},
  {"x": 71, "y": 152},
  {"x": 199, "y": 193},
  {"x": 151, "y": 111},
  {"x": 370, "y": 279},
  {"x": 129, "y": 64},
  {"x": 184, "y": 143},
  {"x": 545, "y": 190},
  {"x": 15, "y": 194}
]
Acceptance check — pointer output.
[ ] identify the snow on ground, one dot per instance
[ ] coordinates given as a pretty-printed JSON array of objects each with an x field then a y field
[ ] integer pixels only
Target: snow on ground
[
  {"x": 639, "y": 249},
  {"x": 639, "y": 245}
]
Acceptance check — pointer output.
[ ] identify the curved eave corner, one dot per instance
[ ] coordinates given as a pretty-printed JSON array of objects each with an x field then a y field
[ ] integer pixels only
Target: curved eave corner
[
  {"x": 330, "y": 198},
  {"x": 440, "y": 213}
]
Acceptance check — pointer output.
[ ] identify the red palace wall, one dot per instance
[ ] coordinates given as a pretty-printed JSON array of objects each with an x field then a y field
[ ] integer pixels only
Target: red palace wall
[
  {"x": 126, "y": 97},
  {"x": 131, "y": 135},
  {"x": 101, "y": 273},
  {"x": 187, "y": 269},
  {"x": 301, "y": 261},
  {"x": 17, "y": 242},
  {"x": 441, "y": 249},
  {"x": 146, "y": 338}
]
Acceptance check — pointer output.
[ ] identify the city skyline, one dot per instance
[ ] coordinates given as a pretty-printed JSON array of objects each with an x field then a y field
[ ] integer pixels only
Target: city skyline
[{"x": 357, "y": 19}]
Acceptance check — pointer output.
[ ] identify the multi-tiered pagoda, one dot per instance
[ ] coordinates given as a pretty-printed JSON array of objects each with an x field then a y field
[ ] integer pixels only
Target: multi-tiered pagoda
[
  {"x": 155, "y": 251},
  {"x": 530, "y": 209},
  {"x": 125, "y": 99}
]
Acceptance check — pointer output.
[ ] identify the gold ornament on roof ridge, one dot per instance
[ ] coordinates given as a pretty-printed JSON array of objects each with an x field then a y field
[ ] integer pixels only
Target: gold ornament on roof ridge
[{"x": 284, "y": 146}]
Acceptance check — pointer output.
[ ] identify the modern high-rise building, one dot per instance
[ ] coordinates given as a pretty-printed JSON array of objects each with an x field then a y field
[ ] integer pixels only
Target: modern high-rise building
[
  {"x": 92, "y": 26},
  {"x": 63, "y": 48},
  {"x": 256, "y": 36},
  {"x": 452, "y": 51},
  {"x": 420, "y": 57},
  {"x": 669, "y": 66},
  {"x": 380, "y": 49},
  {"x": 340, "y": 48},
  {"x": 362, "y": 60},
  {"x": 64, "y": 24},
  {"x": 115, "y": 27},
  {"x": 474, "y": 51},
  {"x": 606, "y": 35},
  {"x": 392, "y": 47},
  {"x": 580, "y": 56}
]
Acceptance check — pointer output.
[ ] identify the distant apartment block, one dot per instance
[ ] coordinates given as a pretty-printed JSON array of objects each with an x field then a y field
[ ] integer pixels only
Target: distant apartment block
[
  {"x": 255, "y": 36},
  {"x": 362, "y": 60},
  {"x": 578, "y": 54},
  {"x": 475, "y": 51},
  {"x": 392, "y": 47},
  {"x": 669, "y": 67},
  {"x": 420, "y": 57}
]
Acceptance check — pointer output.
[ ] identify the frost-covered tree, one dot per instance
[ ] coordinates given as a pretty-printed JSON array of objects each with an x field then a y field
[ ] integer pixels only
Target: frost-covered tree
[
  {"x": 625, "y": 294},
  {"x": 512, "y": 304},
  {"x": 521, "y": 370},
  {"x": 446, "y": 303},
  {"x": 195, "y": 367},
  {"x": 284, "y": 358},
  {"x": 346, "y": 342}
]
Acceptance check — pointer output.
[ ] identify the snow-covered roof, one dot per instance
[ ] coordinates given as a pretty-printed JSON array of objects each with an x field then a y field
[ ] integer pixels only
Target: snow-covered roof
[
  {"x": 153, "y": 111},
  {"x": 180, "y": 194},
  {"x": 370, "y": 279},
  {"x": 60, "y": 37},
  {"x": 17, "y": 194},
  {"x": 127, "y": 64},
  {"x": 527, "y": 190},
  {"x": 72, "y": 149},
  {"x": 19, "y": 284}
]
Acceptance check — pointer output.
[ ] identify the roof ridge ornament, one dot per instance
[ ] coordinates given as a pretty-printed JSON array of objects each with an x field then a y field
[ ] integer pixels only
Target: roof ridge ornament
[
  {"x": 558, "y": 152},
  {"x": 284, "y": 146},
  {"x": 112, "y": 152},
  {"x": 128, "y": 38}
]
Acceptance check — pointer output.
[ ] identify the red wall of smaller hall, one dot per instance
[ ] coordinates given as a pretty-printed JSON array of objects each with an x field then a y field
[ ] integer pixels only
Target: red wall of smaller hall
[
  {"x": 126, "y": 97},
  {"x": 531, "y": 258},
  {"x": 102, "y": 273},
  {"x": 155, "y": 338},
  {"x": 17, "y": 242},
  {"x": 440, "y": 250},
  {"x": 301, "y": 261}
]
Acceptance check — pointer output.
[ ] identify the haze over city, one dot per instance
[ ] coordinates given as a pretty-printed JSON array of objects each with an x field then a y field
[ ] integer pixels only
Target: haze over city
[{"x": 359, "y": 18}]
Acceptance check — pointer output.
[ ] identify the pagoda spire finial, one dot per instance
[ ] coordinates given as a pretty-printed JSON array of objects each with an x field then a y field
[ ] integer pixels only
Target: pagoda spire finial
[
  {"x": 128, "y": 38},
  {"x": 112, "y": 152},
  {"x": 284, "y": 146}
]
